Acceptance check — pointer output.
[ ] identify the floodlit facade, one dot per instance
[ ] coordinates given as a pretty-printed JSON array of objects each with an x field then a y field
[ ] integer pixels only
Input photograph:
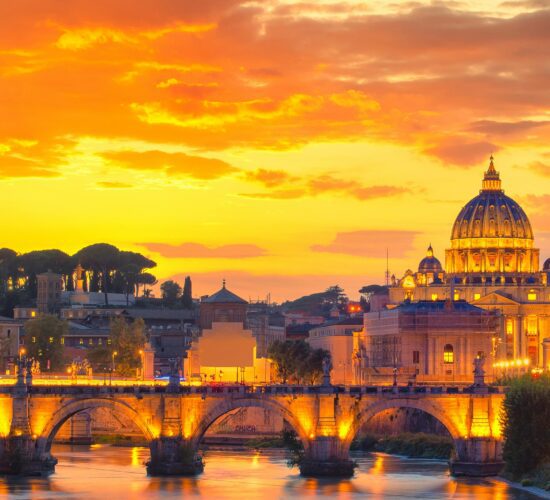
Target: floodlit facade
[{"x": 492, "y": 263}]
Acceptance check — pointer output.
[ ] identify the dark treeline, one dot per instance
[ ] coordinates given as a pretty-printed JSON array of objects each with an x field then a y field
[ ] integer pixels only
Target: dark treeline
[{"x": 106, "y": 269}]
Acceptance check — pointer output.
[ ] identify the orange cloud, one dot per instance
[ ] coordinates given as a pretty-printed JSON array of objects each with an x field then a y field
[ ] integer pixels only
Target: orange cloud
[
  {"x": 314, "y": 186},
  {"x": 173, "y": 164},
  {"x": 370, "y": 243},
  {"x": 462, "y": 152},
  {"x": 269, "y": 178},
  {"x": 113, "y": 185},
  {"x": 199, "y": 251}
]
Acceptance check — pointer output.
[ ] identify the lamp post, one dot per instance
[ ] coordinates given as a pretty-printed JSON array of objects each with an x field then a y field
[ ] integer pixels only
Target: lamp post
[{"x": 115, "y": 353}]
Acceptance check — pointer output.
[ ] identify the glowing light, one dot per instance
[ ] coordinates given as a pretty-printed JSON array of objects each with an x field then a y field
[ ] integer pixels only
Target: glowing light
[
  {"x": 135, "y": 457},
  {"x": 343, "y": 429}
]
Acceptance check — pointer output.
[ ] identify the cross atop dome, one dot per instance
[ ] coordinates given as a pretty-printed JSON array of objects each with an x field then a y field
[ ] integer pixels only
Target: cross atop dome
[{"x": 491, "y": 179}]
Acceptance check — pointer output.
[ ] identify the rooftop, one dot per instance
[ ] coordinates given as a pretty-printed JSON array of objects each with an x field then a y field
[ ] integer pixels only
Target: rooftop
[{"x": 224, "y": 296}]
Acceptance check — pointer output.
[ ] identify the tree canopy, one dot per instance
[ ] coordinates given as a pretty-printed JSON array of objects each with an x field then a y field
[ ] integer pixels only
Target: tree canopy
[
  {"x": 319, "y": 303},
  {"x": 296, "y": 361},
  {"x": 43, "y": 341},
  {"x": 126, "y": 340},
  {"x": 106, "y": 269}
]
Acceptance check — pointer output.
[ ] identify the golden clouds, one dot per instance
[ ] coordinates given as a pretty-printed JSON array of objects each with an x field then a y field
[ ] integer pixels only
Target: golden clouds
[
  {"x": 173, "y": 164},
  {"x": 370, "y": 243},
  {"x": 199, "y": 251},
  {"x": 84, "y": 38},
  {"x": 284, "y": 186},
  {"x": 187, "y": 117}
]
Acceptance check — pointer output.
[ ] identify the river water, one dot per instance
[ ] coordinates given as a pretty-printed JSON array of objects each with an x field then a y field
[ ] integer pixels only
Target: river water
[{"x": 112, "y": 473}]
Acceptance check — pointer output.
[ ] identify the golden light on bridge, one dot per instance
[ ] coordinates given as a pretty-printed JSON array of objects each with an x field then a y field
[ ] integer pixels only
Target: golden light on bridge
[{"x": 343, "y": 429}]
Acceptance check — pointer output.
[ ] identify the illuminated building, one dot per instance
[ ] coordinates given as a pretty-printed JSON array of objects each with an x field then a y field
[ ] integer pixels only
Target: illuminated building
[
  {"x": 423, "y": 341},
  {"x": 226, "y": 349},
  {"x": 492, "y": 263},
  {"x": 337, "y": 337}
]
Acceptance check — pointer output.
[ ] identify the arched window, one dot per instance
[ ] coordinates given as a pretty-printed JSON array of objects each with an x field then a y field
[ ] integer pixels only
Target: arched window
[{"x": 448, "y": 354}]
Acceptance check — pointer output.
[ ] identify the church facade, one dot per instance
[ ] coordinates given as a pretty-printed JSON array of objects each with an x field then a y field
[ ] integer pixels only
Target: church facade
[{"x": 492, "y": 263}]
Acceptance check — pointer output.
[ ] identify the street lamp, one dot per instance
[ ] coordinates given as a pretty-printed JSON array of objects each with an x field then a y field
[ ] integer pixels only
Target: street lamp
[{"x": 115, "y": 353}]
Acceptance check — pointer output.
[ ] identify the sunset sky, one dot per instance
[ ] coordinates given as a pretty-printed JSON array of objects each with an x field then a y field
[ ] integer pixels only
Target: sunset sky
[{"x": 282, "y": 145}]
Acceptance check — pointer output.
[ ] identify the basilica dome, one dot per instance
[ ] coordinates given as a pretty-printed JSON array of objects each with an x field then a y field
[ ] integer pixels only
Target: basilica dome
[
  {"x": 430, "y": 264},
  {"x": 492, "y": 234},
  {"x": 492, "y": 214}
]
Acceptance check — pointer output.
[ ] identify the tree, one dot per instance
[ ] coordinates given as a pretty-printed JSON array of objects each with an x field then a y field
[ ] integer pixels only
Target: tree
[
  {"x": 525, "y": 424},
  {"x": 126, "y": 341},
  {"x": 43, "y": 341},
  {"x": 8, "y": 269},
  {"x": 319, "y": 303},
  {"x": 187, "y": 296},
  {"x": 101, "y": 259},
  {"x": 171, "y": 292},
  {"x": 41, "y": 261},
  {"x": 145, "y": 279},
  {"x": 311, "y": 369},
  {"x": 131, "y": 266},
  {"x": 296, "y": 361}
]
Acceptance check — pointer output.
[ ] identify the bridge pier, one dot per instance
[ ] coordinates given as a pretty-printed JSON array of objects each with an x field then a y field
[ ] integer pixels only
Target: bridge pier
[
  {"x": 477, "y": 457},
  {"x": 20, "y": 454},
  {"x": 173, "y": 456},
  {"x": 325, "y": 457}
]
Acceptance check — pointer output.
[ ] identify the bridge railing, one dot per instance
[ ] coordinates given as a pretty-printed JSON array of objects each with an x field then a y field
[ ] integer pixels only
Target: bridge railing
[{"x": 236, "y": 390}]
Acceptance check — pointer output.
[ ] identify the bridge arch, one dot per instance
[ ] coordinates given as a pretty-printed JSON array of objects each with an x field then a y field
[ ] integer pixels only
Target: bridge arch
[
  {"x": 228, "y": 405},
  {"x": 390, "y": 404},
  {"x": 73, "y": 407}
]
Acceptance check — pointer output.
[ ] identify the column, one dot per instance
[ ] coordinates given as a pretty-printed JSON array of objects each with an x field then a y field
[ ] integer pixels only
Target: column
[{"x": 518, "y": 332}]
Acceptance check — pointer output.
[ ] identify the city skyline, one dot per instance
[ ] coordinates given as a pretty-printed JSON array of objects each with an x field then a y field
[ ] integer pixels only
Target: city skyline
[{"x": 280, "y": 145}]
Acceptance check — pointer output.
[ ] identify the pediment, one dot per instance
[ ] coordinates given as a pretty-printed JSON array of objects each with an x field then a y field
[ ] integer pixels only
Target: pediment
[{"x": 495, "y": 298}]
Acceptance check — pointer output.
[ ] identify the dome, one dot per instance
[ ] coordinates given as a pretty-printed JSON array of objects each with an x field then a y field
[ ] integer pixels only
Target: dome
[
  {"x": 492, "y": 214},
  {"x": 546, "y": 266},
  {"x": 430, "y": 264}
]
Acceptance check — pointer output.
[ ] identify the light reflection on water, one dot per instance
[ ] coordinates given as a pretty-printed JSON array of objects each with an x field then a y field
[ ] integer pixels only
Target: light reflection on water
[{"x": 111, "y": 473}]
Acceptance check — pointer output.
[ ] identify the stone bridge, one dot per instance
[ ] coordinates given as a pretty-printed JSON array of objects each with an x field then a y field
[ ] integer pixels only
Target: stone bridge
[{"x": 174, "y": 418}]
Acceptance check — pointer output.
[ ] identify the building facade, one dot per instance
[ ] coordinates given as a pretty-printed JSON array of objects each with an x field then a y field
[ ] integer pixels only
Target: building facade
[
  {"x": 492, "y": 263},
  {"x": 424, "y": 342},
  {"x": 337, "y": 338}
]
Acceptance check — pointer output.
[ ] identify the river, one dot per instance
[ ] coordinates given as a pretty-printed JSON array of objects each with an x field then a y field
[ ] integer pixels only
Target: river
[{"x": 111, "y": 473}]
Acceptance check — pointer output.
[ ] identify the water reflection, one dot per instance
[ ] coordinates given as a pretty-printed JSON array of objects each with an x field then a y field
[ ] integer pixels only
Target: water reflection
[{"x": 105, "y": 471}]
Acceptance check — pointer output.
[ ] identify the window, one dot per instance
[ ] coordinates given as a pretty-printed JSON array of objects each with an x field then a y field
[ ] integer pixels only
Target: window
[
  {"x": 477, "y": 296},
  {"x": 51, "y": 340},
  {"x": 456, "y": 296},
  {"x": 448, "y": 354},
  {"x": 108, "y": 341},
  {"x": 532, "y": 295},
  {"x": 416, "y": 357},
  {"x": 509, "y": 327},
  {"x": 9, "y": 333},
  {"x": 434, "y": 296},
  {"x": 33, "y": 314},
  {"x": 62, "y": 340},
  {"x": 81, "y": 341},
  {"x": 100, "y": 341},
  {"x": 532, "y": 325},
  {"x": 34, "y": 340},
  {"x": 91, "y": 342}
]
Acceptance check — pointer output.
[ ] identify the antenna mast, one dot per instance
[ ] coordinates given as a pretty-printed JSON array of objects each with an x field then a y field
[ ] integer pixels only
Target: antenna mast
[{"x": 387, "y": 268}]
